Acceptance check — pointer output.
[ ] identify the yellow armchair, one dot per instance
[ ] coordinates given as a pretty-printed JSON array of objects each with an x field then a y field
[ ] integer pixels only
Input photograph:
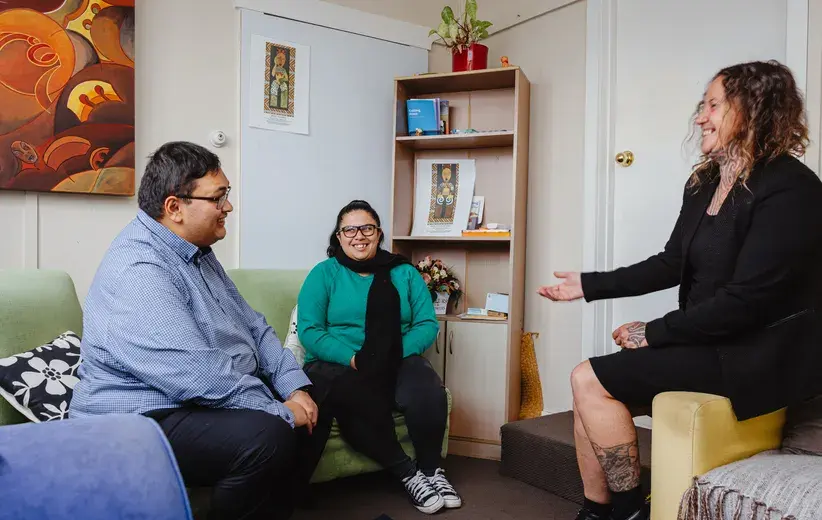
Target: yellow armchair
[{"x": 694, "y": 433}]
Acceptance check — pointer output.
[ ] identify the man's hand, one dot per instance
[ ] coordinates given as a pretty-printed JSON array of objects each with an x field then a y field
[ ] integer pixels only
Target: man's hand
[
  {"x": 300, "y": 415},
  {"x": 302, "y": 398},
  {"x": 353, "y": 362},
  {"x": 631, "y": 335}
]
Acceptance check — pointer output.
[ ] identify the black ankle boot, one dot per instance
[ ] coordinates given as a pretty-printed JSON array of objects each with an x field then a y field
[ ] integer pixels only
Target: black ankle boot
[
  {"x": 643, "y": 513},
  {"x": 587, "y": 514}
]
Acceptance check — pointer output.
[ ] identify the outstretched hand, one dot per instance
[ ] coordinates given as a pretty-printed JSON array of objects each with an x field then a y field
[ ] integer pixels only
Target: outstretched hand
[{"x": 569, "y": 290}]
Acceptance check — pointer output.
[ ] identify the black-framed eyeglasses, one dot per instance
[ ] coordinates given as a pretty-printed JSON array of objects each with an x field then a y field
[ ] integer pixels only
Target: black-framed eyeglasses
[
  {"x": 351, "y": 231},
  {"x": 220, "y": 201}
]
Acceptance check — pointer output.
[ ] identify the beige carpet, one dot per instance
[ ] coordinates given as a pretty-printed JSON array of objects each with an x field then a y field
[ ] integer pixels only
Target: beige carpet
[{"x": 486, "y": 496}]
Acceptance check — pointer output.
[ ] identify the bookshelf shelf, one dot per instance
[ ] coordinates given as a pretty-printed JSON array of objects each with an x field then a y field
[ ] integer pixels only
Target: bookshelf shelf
[
  {"x": 458, "y": 141},
  {"x": 452, "y": 239},
  {"x": 487, "y": 79},
  {"x": 456, "y": 318},
  {"x": 486, "y": 101}
]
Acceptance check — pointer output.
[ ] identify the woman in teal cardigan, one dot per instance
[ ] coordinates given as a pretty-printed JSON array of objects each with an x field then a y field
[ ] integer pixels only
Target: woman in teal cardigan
[{"x": 365, "y": 316}]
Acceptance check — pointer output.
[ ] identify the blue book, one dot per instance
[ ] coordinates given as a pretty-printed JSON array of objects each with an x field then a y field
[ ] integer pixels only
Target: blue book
[{"x": 423, "y": 114}]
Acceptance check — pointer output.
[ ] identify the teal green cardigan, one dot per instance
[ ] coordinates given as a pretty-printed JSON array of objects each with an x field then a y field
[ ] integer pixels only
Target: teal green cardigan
[{"x": 331, "y": 312}]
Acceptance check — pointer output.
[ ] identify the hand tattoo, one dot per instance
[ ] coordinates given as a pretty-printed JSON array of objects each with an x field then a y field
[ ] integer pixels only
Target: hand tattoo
[
  {"x": 636, "y": 334},
  {"x": 621, "y": 465}
]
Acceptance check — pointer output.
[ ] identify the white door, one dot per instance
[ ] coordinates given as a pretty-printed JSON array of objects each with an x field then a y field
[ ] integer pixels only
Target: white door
[
  {"x": 666, "y": 53},
  {"x": 475, "y": 376}
]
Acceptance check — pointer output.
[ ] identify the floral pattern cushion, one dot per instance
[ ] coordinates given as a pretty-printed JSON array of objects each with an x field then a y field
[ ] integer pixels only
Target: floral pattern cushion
[
  {"x": 292, "y": 342},
  {"x": 39, "y": 383}
]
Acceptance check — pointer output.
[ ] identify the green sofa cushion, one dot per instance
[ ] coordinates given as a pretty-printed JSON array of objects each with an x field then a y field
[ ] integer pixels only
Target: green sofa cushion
[
  {"x": 339, "y": 460},
  {"x": 271, "y": 292}
]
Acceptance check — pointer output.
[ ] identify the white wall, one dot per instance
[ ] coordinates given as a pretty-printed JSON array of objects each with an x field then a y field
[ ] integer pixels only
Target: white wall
[
  {"x": 427, "y": 12},
  {"x": 187, "y": 86},
  {"x": 551, "y": 51},
  {"x": 548, "y": 42},
  {"x": 814, "y": 80},
  {"x": 185, "y": 81}
]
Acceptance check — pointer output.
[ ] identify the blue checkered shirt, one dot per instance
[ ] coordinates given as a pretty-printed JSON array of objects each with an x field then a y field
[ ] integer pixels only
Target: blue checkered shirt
[{"x": 165, "y": 327}]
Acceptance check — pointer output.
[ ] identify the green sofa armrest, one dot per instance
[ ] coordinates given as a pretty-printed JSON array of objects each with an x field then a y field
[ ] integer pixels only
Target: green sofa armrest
[{"x": 36, "y": 306}]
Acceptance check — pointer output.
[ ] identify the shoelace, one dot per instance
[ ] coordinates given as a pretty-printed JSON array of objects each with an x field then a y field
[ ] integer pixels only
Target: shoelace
[
  {"x": 419, "y": 487},
  {"x": 442, "y": 485}
]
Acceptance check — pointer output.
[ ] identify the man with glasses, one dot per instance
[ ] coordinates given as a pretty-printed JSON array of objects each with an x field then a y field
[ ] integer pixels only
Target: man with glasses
[{"x": 167, "y": 335}]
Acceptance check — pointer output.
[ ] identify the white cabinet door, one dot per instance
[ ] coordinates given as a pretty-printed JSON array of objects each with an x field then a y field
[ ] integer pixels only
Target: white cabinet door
[
  {"x": 475, "y": 375},
  {"x": 436, "y": 352}
]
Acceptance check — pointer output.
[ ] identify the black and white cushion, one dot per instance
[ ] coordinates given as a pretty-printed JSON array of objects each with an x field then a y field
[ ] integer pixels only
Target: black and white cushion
[{"x": 39, "y": 383}]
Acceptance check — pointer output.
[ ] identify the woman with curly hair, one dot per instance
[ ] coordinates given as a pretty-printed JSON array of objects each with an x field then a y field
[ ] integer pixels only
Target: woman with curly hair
[{"x": 746, "y": 253}]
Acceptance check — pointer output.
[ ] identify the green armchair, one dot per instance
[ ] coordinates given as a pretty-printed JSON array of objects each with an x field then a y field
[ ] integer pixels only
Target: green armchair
[
  {"x": 38, "y": 305},
  {"x": 274, "y": 294}
]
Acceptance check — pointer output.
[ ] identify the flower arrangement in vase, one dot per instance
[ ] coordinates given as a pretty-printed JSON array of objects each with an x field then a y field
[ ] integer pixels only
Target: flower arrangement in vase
[
  {"x": 440, "y": 281},
  {"x": 461, "y": 34}
]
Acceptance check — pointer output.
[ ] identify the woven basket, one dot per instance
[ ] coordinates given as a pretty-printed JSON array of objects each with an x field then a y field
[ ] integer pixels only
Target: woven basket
[{"x": 531, "y": 388}]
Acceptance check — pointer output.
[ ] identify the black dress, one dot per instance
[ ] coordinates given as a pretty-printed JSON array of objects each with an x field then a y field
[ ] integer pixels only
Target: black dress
[{"x": 635, "y": 376}]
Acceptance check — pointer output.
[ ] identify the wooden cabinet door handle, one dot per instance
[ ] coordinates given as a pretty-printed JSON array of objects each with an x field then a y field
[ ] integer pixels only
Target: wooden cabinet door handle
[{"x": 451, "y": 342}]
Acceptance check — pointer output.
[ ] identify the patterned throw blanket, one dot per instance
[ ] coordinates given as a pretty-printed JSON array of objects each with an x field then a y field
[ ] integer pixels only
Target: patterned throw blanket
[{"x": 767, "y": 486}]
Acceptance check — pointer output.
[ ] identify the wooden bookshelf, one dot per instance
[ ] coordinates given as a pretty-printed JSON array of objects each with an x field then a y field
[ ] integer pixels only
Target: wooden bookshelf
[{"x": 479, "y": 360}]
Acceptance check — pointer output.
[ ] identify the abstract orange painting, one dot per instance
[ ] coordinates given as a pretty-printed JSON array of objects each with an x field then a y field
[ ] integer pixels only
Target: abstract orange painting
[{"x": 67, "y": 96}]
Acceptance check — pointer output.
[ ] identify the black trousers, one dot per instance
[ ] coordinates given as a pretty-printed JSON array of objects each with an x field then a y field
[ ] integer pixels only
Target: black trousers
[
  {"x": 247, "y": 456},
  {"x": 364, "y": 412}
]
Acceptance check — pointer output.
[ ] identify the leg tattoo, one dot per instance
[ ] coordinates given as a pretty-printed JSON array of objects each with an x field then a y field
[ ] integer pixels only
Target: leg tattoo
[{"x": 621, "y": 465}]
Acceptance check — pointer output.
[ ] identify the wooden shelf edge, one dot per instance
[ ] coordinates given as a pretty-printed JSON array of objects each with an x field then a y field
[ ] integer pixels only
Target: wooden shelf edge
[
  {"x": 458, "y": 141},
  {"x": 454, "y": 317},
  {"x": 451, "y": 239},
  {"x": 439, "y": 75},
  {"x": 485, "y": 79}
]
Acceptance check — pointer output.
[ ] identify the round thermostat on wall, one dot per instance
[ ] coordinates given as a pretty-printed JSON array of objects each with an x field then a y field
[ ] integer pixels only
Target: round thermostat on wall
[{"x": 218, "y": 138}]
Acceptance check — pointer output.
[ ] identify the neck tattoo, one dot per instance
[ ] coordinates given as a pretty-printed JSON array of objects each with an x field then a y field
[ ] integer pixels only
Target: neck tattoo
[{"x": 728, "y": 175}]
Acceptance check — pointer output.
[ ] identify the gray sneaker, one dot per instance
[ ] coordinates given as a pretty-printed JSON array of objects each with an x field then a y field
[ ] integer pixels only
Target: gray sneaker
[
  {"x": 422, "y": 493},
  {"x": 445, "y": 489}
]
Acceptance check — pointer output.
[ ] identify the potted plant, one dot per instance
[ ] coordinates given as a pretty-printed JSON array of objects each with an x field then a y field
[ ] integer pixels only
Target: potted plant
[
  {"x": 441, "y": 282},
  {"x": 460, "y": 34}
]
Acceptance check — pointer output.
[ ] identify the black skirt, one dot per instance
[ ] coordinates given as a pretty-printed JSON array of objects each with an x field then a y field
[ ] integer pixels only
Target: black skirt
[{"x": 635, "y": 376}]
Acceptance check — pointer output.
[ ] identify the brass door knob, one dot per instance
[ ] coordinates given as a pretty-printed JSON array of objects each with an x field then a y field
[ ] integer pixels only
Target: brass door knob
[{"x": 625, "y": 158}]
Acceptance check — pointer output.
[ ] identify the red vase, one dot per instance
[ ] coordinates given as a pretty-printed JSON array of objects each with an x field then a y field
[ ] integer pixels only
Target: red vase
[{"x": 474, "y": 58}]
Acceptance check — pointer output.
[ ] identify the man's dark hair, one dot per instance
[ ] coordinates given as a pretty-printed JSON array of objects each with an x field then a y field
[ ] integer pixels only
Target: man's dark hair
[{"x": 173, "y": 169}]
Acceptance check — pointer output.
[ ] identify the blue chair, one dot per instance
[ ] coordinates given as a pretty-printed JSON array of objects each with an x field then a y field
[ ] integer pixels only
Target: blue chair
[{"x": 100, "y": 468}]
